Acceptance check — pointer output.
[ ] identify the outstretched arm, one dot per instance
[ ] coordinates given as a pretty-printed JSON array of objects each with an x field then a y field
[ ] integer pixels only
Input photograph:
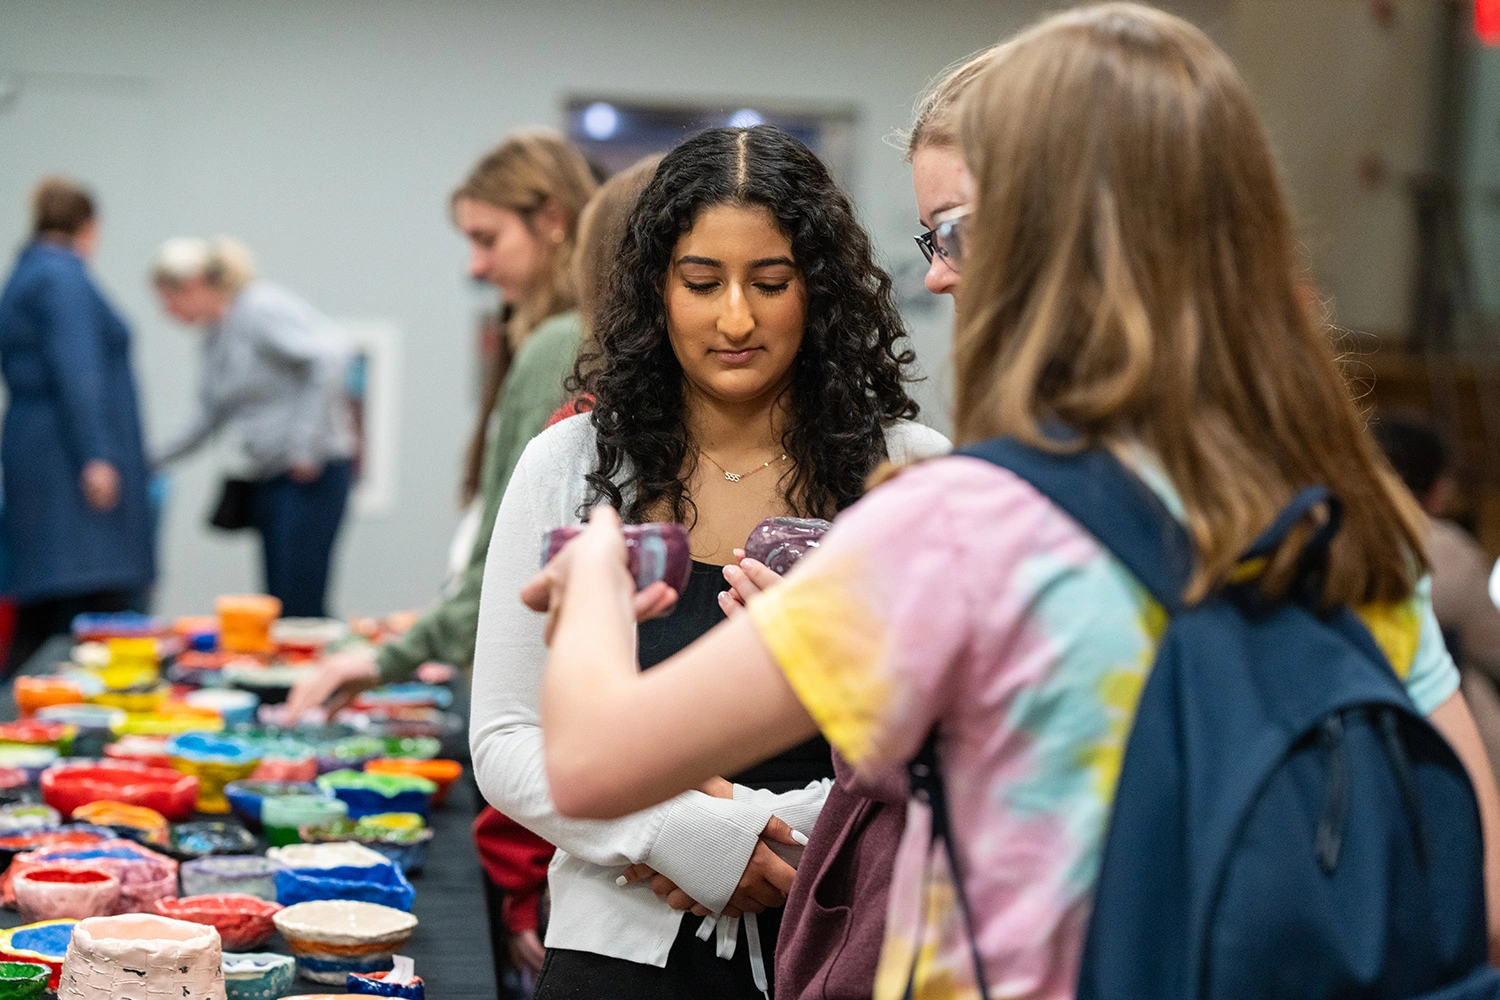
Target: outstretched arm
[{"x": 618, "y": 740}]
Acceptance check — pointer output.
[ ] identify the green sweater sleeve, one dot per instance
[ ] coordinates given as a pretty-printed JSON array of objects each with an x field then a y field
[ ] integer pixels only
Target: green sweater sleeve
[{"x": 532, "y": 392}]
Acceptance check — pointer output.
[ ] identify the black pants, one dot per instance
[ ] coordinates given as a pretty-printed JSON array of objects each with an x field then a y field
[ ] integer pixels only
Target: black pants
[
  {"x": 693, "y": 972},
  {"x": 298, "y": 523},
  {"x": 39, "y": 621}
]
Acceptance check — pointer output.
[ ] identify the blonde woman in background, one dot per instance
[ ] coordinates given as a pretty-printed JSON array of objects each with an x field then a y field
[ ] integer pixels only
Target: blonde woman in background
[
  {"x": 518, "y": 208},
  {"x": 273, "y": 371}
]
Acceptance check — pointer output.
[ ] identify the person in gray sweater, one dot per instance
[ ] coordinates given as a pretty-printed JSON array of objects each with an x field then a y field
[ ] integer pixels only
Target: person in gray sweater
[{"x": 273, "y": 372}]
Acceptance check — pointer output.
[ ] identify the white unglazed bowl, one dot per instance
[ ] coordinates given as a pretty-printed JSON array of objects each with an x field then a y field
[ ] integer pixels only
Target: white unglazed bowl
[{"x": 334, "y": 937}]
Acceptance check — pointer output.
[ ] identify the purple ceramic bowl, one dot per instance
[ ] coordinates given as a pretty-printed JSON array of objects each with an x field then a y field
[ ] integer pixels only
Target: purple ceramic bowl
[
  {"x": 652, "y": 552},
  {"x": 779, "y": 542}
]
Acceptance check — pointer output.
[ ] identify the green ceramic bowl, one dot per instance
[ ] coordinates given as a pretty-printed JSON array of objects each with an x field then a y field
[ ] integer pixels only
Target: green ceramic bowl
[{"x": 22, "y": 980}]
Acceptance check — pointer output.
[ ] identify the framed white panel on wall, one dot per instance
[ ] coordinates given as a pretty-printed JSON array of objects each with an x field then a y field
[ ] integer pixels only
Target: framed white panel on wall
[{"x": 373, "y": 383}]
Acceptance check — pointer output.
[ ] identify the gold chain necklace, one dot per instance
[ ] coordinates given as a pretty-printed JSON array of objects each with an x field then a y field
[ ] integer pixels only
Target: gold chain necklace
[{"x": 735, "y": 477}]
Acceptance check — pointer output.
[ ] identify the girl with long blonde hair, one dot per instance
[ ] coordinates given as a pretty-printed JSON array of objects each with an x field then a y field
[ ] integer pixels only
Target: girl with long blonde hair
[{"x": 1130, "y": 271}]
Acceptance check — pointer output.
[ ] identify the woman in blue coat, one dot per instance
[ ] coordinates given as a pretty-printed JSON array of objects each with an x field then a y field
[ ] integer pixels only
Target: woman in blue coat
[{"x": 77, "y": 518}]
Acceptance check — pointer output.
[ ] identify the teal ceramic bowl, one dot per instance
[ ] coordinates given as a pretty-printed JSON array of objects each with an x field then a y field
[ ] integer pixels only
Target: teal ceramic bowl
[{"x": 257, "y": 975}]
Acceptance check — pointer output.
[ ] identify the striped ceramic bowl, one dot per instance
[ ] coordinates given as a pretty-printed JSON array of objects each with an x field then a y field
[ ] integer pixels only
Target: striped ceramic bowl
[{"x": 334, "y": 937}]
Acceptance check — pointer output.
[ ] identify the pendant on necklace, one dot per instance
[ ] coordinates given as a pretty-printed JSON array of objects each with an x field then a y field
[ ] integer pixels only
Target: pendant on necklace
[{"x": 733, "y": 477}]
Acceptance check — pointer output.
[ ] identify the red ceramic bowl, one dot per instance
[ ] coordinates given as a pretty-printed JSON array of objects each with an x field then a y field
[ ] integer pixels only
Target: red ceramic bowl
[
  {"x": 244, "y": 922},
  {"x": 66, "y": 788}
]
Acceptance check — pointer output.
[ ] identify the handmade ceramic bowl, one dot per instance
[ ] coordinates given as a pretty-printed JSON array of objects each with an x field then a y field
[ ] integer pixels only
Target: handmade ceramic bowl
[
  {"x": 412, "y": 747},
  {"x": 144, "y": 875},
  {"x": 65, "y": 788},
  {"x": 27, "y": 816},
  {"x": 247, "y": 798},
  {"x": 135, "y": 822},
  {"x": 410, "y": 694},
  {"x": 245, "y": 622},
  {"x": 30, "y": 760},
  {"x": 98, "y": 626},
  {"x": 243, "y": 921},
  {"x": 35, "y": 693},
  {"x": 442, "y": 773},
  {"x": 37, "y": 732},
  {"x": 305, "y": 638},
  {"x": 375, "y": 984},
  {"x": 367, "y": 794},
  {"x": 382, "y": 883},
  {"x": 214, "y": 761},
  {"x": 288, "y": 769},
  {"x": 349, "y": 752},
  {"x": 234, "y": 706},
  {"x": 172, "y": 718},
  {"x": 285, "y": 815},
  {"x": 247, "y": 874},
  {"x": 205, "y": 837},
  {"x": 55, "y": 892},
  {"x": 137, "y": 698},
  {"x": 85, "y": 717},
  {"x": 44, "y": 943},
  {"x": 257, "y": 975},
  {"x": 148, "y": 750},
  {"x": 23, "y": 980},
  {"x": 38, "y": 838},
  {"x": 407, "y": 849},
  {"x": 270, "y": 684},
  {"x": 140, "y": 955},
  {"x": 334, "y": 937},
  {"x": 324, "y": 856}
]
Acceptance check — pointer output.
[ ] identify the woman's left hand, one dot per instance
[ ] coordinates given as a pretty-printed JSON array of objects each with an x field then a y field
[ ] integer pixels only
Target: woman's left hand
[
  {"x": 598, "y": 551},
  {"x": 746, "y": 579}
]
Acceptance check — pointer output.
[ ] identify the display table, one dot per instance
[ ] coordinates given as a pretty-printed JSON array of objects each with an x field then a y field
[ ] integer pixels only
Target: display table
[{"x": 451, "y": 944}]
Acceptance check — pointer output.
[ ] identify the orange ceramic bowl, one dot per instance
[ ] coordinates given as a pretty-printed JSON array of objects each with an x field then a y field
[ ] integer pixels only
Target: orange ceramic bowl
[
  {"x": 442, "y": 773},
  {"x": 33, "y": 693}
]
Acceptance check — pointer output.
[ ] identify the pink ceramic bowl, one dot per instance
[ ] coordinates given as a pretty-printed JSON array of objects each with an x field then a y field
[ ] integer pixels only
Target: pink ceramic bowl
[
  {"x": 55, "y": 893},
  {"x": 244, "y": 922}
]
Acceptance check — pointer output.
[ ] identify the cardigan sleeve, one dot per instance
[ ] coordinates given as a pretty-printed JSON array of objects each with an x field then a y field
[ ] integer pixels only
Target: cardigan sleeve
[
  {"x": 699, "y": 842},
  {"x": 533, "y": 390}
]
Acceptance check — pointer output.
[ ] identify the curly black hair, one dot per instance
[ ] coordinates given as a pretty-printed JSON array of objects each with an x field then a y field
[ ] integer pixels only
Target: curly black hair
[{"x": 849, "y": 378}]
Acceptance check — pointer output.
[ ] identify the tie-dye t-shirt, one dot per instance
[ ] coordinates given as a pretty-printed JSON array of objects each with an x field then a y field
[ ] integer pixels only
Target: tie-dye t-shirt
[{"x": 958, "y": 593}]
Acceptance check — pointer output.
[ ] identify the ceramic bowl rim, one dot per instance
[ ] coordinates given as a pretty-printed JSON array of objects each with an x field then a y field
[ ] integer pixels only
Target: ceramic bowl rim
[{"x": 296, "y": 925}]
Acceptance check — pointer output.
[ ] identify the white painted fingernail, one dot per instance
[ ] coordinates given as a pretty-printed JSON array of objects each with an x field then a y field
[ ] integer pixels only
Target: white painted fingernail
[
  {"x": 622, "y": 881},
  {"x": 799, "y": 837}
]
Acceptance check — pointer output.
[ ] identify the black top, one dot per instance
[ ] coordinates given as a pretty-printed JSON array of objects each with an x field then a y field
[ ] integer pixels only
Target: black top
[{"x": 698, "y": 611}]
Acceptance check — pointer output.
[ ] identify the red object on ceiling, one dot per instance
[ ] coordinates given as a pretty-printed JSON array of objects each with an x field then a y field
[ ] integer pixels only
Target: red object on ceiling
[{"x": 1487, "y": 21}]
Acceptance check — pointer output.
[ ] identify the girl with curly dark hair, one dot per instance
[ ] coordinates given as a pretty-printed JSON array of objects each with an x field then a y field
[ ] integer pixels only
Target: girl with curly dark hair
[{"x": 750, "y": 362}]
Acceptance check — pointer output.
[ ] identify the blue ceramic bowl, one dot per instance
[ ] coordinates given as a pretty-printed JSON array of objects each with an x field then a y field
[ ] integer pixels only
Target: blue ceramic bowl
[
  {"x": 257, "y": 975},
  {"x": 247, "y": 797},
  {"x": 382, "y": 884},
  {"x": 374, "y": 985},
  {"x": 200, "y": 747}
]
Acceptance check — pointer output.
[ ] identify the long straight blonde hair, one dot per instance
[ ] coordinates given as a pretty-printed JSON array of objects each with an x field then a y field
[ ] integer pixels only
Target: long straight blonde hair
[{"x": 1131, "y": 270}]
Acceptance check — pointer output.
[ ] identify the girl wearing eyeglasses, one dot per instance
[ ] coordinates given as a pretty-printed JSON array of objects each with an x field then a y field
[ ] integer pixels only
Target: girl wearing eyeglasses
[{"x": 1110, "y": 283}]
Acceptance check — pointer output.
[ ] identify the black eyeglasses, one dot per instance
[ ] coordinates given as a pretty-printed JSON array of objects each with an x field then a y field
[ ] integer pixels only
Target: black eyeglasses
[{"x": 945, "y": 238}]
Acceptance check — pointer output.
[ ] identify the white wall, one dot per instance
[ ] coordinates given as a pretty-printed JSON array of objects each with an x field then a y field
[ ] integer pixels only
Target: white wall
[{"x": 327, "y": 133}]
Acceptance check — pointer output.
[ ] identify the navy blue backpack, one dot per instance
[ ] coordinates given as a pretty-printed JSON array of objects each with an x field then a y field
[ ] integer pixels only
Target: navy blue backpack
[{"x": 1286, "y": 823}]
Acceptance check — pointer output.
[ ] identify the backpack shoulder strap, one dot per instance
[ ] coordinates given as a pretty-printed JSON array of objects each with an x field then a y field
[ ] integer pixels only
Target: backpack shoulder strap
[{"x": 1110, "y": 502}]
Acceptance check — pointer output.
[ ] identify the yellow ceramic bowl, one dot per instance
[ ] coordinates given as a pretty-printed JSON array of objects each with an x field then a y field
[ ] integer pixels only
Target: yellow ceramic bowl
[
  {"x": 133, "y": 701},
  {"x": 212, "y": 776},
  {"x": 154, "y": 724},
  {"x": 126, "y": 675}
]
